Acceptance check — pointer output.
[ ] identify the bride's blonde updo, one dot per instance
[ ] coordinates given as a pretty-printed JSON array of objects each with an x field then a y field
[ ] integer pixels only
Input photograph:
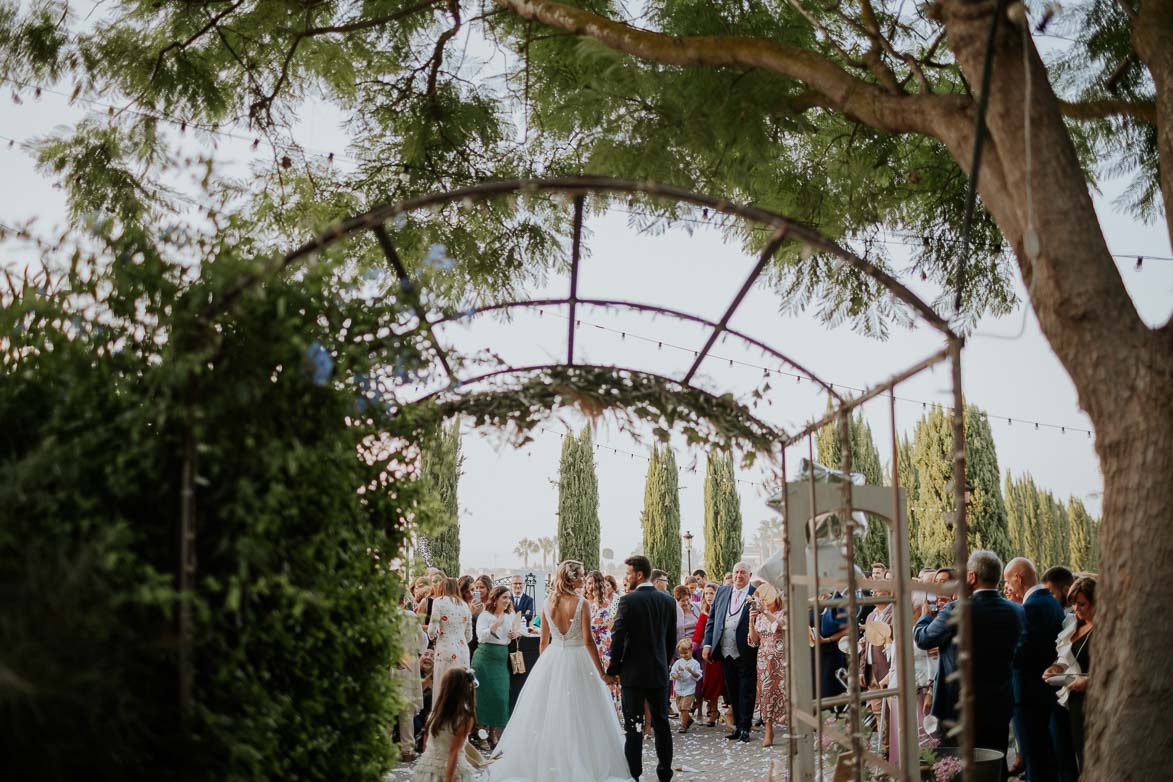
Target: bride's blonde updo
[{"x": 568, "y": 572}]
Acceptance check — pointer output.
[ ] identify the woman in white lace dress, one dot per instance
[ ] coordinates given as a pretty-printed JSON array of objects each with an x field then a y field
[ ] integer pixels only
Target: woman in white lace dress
[
  {"x": 563, "y": 728},
  {"x": 451, "y": 629},
  {"x": 454, "y": 715}
]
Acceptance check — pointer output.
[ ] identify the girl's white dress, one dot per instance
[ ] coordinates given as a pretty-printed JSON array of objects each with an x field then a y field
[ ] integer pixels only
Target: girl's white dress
[
  {"x": 563, "y": 728},
  {"x": 432, "y": 766},
  {"x": 451, "y": 629}
]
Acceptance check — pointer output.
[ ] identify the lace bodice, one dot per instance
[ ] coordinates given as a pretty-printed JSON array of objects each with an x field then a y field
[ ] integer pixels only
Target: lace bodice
[{"x": 574, "y": 633}]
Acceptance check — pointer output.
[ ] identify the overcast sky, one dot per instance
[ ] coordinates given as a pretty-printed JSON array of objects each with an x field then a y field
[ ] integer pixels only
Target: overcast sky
[{"x": 506, "y": 493}]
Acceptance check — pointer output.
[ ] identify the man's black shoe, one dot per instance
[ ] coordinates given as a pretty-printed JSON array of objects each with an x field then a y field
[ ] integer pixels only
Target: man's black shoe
[
  {"x": 744, "y": 737},
  {"x": 736, "y": 734}
]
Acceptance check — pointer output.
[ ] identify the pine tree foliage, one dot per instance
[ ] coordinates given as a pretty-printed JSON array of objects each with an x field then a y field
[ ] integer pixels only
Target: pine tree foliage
[
  {"x": 440, "y": 469},
  {"x": 661, "y": 513},
  {"x": 1084, "y": 537},
  {"x": 1048, "y": 531},
  {"x": 722, "y": 515},
  {"x": 865, "y": 459},
  {"x": 578, "y": 501},
  {"x": 934, "y": 499},
  {"x": 909, "y": 482}
]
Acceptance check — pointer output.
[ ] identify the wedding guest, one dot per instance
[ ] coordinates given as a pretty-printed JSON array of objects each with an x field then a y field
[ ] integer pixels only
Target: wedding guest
[
  {"x": 996, "y": 624},
  {"x": 613, "y": 593},
  {"x": 701, "y": 578},
  {"x": 727, "y": 579},
  {"x": 1075, "y": 659},
  {"x": 1034, "y": 699},
  {"x": 407, "y": 675},
  {"x": 438, "y": 581},
  {"x": 453, "y": 718},
  {"x": 451, "y": 630},
  {"x": 1058, "y": 581},
  {"x": 602, "y": 614},
  {"x": 685, "y": 673},
  {"x": 767, "y": 632},
  {"x": 522, "y": 603},
  {"x": 712, "y": 679},
  {"x": 687, "y": 613},
  {"x": 495, "y": 629},
  {"x": 660, "y": 580},
  {"x": 694, "y": 591},
  {"x": 727, "y": 638}
]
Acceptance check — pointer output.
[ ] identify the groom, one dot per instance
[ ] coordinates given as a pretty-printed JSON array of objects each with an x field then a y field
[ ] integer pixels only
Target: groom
[{"x": 643, "y": 638}]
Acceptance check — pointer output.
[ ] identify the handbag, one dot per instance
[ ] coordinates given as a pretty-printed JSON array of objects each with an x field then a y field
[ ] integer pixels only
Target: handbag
[{"x": 516, "y": 660}]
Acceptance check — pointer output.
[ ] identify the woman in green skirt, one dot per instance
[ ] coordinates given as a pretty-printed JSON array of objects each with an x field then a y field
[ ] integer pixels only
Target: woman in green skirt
[{"x": 495, "y": 629}]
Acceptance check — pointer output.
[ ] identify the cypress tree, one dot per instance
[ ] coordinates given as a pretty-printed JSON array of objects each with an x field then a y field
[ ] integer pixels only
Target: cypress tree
[
  {"x": 865, "y": 459},
  {"x": 722, "y": 515},
  {"x": 578, "y": 501},
  {"x": 1084, "y": 543},
  {"x": 661, "y": 513},
  {"x": 440, "y": 464},
  {"x": 909, "y": 483},
  {"x": 987, "y": 508}
]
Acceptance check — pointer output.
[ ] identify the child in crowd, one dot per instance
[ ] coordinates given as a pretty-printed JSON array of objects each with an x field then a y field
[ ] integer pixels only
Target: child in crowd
[
  {"x": 454, "y": 716},
  {"x": 686, "y": 672}
]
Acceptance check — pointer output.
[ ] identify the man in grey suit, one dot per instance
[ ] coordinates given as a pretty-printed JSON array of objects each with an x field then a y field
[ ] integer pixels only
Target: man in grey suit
[{"x": 727, "y": 640}]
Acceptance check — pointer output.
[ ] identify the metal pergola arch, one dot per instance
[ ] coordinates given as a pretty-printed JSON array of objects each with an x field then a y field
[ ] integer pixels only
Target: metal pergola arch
[{"x": 781, "y": 229}]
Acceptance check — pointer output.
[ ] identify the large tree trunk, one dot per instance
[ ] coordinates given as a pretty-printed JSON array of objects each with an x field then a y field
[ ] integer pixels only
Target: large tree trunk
[
  {"x": 1130, "y": 730},
  {"x": 1123, "y": 374}
]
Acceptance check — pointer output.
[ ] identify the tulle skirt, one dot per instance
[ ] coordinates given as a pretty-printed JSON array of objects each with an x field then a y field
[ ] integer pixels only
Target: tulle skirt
[{"x": 563, "y": 728}]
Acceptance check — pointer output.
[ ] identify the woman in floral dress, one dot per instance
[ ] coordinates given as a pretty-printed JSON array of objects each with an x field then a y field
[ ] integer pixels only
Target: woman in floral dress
[
  {"x": 602, "y": 614},
  {"x": 767, "y": 631},
  {"x": 451, "y": 629}
]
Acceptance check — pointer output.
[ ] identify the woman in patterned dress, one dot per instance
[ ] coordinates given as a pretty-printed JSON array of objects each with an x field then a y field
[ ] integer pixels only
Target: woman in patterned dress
[
  {"x": 767, "y": 631},
  {"x": 602, "y": 614},
  {"x": 451, "y": 629},
  {"x": 712, "y": 684}
]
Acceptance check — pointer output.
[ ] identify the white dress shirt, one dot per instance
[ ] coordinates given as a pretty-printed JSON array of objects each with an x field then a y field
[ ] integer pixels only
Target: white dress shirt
[{"x": 485, "y": 634}]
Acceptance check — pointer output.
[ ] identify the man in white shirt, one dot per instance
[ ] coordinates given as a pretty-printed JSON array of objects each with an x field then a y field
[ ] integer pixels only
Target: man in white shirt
[{"x": 727, "y": 639}]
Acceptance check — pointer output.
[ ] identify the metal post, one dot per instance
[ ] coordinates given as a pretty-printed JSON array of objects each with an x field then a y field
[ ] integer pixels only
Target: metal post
[
  {"x": 909, "y": 756},
  {"x": 961, "y": 549},
  {"x": 852, "y": 606},
  {"x": 812, "y": 531}
]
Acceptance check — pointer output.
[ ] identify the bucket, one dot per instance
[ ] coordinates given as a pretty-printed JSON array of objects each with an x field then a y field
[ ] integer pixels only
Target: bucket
[{"x": 987, "y": 764}]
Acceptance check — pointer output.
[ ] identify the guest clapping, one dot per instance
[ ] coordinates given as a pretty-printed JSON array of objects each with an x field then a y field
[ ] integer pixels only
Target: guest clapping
[
  {"x": 1075, "y": 659},
  {"x": 767, "y": 632},
  {"x": 495, "y": 629}
]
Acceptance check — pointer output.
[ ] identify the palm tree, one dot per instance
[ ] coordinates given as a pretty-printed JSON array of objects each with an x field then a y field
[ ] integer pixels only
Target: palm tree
[
  {"x": 524, "y": 547},
  {"x": 547, "y": 546}
]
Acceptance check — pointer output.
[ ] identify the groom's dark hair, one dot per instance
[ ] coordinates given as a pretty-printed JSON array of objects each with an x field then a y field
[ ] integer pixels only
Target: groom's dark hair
[{"x": 640, "y": 564}]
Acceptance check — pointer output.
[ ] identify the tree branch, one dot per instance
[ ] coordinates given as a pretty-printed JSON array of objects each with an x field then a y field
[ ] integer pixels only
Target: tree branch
[
  {"x": 1152, "y": 30},
  {"x": 1145, "y": 111},
  {"x": 859, "y": 99},
  {"x": 366, "y": 24},
  {"x": 200, "y": 33}
]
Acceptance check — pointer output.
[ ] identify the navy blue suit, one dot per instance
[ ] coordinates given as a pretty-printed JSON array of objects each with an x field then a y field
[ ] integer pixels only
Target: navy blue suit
[
  {"x": 997, "y": 625},
  {"x": 1034, "y": 699},
  {"x": 741, "y": 672},
  {"x": 524, "y": 605}
]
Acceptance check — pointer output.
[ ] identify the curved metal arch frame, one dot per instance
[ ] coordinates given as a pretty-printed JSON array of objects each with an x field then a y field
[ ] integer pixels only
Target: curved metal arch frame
[
  {"x": 641, "y": 307},
  {"x": 783, "y": 228},
  {"x": 616, "y": 370}
]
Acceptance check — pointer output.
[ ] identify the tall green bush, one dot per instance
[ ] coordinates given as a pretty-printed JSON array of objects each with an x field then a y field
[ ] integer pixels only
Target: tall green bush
[
  {"x": 114, "y": 369},
  {"x": 722, "y": 515},
  {"x": 440, "y": 470},
  {"x": 578, "y": 501},
  {"x": 661, "y": 513}
]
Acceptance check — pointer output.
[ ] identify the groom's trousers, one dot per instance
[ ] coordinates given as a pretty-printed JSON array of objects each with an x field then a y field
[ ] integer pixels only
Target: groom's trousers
[
  {"x": 656, "y": 699},
  {"x": 741, "y": 687}
]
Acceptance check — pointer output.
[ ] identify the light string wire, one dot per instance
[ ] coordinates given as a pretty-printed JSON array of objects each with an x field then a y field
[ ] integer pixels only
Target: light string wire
[{"x": 771, "y": 371}]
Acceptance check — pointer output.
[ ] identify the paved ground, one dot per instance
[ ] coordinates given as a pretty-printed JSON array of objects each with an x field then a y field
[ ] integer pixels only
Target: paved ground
[{"x": 703, "y": 755}]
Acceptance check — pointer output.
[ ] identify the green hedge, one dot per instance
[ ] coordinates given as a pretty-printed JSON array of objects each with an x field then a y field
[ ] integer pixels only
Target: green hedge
[{"x": 106, "y": 366}]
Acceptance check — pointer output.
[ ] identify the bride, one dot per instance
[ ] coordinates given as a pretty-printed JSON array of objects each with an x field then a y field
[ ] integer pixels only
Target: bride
[{"x": 563, "y": 727}]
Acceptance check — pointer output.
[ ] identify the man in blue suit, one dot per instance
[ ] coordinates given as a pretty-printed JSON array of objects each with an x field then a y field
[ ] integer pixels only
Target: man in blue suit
[
  {"x": 1034, "y": 699},
  {"x": 997, "y": 624},
  {"x": 522, "y": 603},
  {"x": 727, "y": 640}
]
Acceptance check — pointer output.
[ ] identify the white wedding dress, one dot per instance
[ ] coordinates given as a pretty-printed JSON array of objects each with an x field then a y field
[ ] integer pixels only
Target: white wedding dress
[{"x": 563, "y": 728}]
